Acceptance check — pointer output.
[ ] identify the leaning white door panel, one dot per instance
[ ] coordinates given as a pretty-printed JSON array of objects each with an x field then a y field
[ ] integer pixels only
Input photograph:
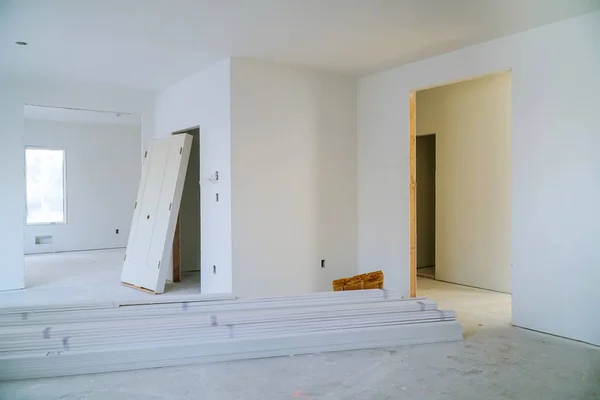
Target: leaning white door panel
[{"x": 155, "y": 213}]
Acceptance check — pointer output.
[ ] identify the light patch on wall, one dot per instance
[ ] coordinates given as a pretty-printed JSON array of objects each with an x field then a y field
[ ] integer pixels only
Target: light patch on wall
[{"x": 45, "y": 185}]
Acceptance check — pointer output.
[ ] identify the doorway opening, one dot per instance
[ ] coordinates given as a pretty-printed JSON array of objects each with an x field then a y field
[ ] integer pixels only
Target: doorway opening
[
  {"x": 426, "y": 205},
  {"x": 460, "y": 195},
  {"x": 186, "y": 242},
  {"x": 81, "y": 173},
  {"x": 82, "y": 170}
]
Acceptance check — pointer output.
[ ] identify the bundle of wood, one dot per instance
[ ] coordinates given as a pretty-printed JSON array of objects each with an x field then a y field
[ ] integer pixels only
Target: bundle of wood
[{"x": 371, "y": 280}]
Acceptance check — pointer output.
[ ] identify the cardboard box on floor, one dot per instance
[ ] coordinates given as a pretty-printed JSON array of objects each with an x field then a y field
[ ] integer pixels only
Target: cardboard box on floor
[{"x": 371, "y": 280}]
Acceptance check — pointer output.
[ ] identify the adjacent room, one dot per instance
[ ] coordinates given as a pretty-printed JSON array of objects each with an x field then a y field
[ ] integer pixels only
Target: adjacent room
[
  {"x": 299, "y": 199},
  {"x": 463, "y": 176},
  {"x": 186, "y": 243},
  {"x": 82, "y": 168}
]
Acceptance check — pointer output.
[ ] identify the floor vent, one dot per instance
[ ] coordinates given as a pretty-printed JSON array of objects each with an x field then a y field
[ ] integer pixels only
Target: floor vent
[{"x": 43, "y": 239}]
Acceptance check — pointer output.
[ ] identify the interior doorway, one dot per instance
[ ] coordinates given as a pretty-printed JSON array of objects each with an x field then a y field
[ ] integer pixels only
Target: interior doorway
[
  {"x": 460, "y": 197},
  {"x": 460, "y": 194},
  {"x": 81, "y": 171},
  {"x": 426, "y": 205},
  {"x": 186, "y": 242}
]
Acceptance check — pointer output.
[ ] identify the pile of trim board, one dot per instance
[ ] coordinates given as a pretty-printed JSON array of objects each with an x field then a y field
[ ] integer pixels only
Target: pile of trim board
[{"x": 59, "y": 342}]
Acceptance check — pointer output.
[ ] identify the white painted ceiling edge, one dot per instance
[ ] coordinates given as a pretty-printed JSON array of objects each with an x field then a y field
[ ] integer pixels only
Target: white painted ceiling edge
[
  {"x": 151, "y": 44},
  {"x": 64, "y": 114}
]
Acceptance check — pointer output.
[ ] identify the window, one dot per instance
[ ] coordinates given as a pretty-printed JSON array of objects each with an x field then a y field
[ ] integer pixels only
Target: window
[{"x": 45, "y": 185}]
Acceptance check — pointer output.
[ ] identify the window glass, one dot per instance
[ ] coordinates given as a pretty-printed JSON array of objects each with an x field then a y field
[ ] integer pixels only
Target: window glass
[{"x": 45, "y": 185}]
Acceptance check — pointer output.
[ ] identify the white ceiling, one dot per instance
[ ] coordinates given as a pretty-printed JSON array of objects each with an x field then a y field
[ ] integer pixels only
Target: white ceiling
[
  {"x": 153, "y": 43},
  {"x": 76, "y": 115}
]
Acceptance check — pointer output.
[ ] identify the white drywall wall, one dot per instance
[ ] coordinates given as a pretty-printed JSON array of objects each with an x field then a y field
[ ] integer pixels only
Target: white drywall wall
[
  {"x": 293, "y": 160},
  {"x": 472, "y": 124},
  {"x": 102, "y": 176},
  {"x": 13, "y": 96},
  {"x": 203, "y": 100},
  {"x": 12, "y": 189},
  {"x": 555, "y": 164}
]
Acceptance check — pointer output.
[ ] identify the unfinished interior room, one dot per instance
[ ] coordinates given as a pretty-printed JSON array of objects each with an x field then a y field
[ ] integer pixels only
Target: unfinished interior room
[
  {"x": 78, "y": 214},
  {"x": 299, "y": 199},
  {"x": 462, "y": 194}
]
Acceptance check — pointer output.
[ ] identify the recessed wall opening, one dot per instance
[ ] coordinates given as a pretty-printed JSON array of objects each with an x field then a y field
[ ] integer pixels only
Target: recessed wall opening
[
  {"x": 186, "y": 243},
  {"x": 460, "y": 194},
  {"x": 426, "y": 205},
  {"x": 83, "y": 173},
  {"x": 82, "y": 168}
]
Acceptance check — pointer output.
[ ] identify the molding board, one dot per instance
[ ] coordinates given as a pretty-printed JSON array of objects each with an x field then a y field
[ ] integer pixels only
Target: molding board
[
  {"x": 177, "y": 252},
  {"x": 65, "y": 342}
]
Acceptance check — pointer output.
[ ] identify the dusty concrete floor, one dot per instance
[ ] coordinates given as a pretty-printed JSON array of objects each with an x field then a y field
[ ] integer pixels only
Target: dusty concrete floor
[
  {"x": 426, "y": 272},
  {"x": 86, "y": 277},
  {"x": 496, "y": 361}
]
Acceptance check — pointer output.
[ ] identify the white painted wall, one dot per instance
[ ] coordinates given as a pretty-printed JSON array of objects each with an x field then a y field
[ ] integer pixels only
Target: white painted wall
[
  {"x": 13, "y": 95},
  {"x": 287, "y": 178},
  {"x": 102, "y": 176},
  {"x": 472, "y": 122},
  {"x": 293, "y": 160},
  {"x": 555, "y": 164},
  {"x": 203, "y": 100},
  {"x": 12, "y": 189}
]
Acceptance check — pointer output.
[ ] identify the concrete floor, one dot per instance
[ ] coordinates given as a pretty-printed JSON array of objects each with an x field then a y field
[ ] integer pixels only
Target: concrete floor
[
  {"x": 88, "y": 277},
  {"x": 495, "y": 361},
  {"x": 426, "y": 272}
]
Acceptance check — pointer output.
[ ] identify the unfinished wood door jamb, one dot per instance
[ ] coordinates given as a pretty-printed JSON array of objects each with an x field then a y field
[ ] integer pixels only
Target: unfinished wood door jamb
[
  {"x": 177, "y": 242},
  {"x": 412, "y": 133},
  {"x": 177, "y": 251}
]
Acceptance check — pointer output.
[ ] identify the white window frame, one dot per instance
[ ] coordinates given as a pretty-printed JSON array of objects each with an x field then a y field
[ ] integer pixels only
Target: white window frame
[{"x": 65, "y": 208}]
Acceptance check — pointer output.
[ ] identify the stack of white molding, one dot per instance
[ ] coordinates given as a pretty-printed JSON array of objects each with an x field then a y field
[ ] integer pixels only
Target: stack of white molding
[{"x": 59, "y": 342}]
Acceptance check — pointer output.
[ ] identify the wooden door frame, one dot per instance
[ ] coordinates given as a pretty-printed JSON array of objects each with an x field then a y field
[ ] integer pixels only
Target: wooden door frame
[
  {"x": 177, "y": 252},
  {"x": 412, "y": 200}
]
